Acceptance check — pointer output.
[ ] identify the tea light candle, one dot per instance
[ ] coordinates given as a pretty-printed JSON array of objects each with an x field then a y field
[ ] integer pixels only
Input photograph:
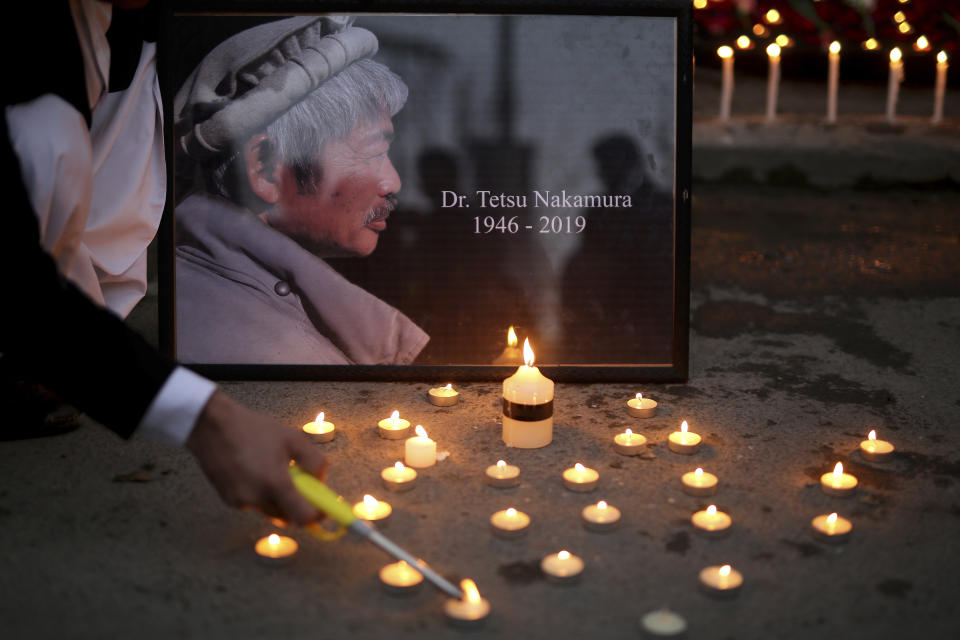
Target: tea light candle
[
  {"x": 721, "y": 582},
  {"x": 600, "y": 517},
  {"x": 641, "y": 407},
  {"x": 394, "y": 427},
  {"x": 320, "y": 430},
  {"x": 275, "y": 550},
  {"x": 629, "y": 443},
  {"x": 580, "y": 478},
  {"x": 509, "y": 523},
  {"x": 471, "y": 610},
  {"x": 420, "y": 451},
  {"x": 893, "y": 84},
  {"x": 443, "y": 396},
  {"x": 399, "y": 578},
  {"x": 773, "y": 80},
  {"x": 699, "y": 483},
  {"x": 712, "y": 522},
  {"x": 399, "y": 477},
  {"x": 372, "y": 510},
  {"x": 502, "y": 475},
  {"x": 838, "y": 483},
  {"x": 562, "y": 567},
  {"x": 663, "y": 623},
  {"x": 831, "y": 528},
  {"x": 527, "y": 406},
  {"x": 684, "y": 441},
  {"x": 876, "y": 450}
]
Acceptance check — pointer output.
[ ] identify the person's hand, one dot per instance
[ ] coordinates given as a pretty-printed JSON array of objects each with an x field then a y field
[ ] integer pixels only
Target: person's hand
[{"x": 246, "y": 456}]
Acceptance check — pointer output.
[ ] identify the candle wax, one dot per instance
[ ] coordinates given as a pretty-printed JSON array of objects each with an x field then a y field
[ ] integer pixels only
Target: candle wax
[
  {"x": 715, "y": 583},
  {"x": 275, "y": 549},
  {"x": 502, "y": 476},
  {"x": 712, "y": 522},
  {"x": 391, "y": 429},
  {"x": 509, "y": 523},
  {"x": 699, "y": 484},
  {"x": 562, "y": 567},
  {"x": 580, "y": 479},
  {"x": 398, "y": 479},
  {"x": 600, "y": 517},
  {"x": 836, "y": 531},
  {"x": 629, "y": 444},
  {"x": 400, "y": 578},
  {"x": 420, "y": 452}
]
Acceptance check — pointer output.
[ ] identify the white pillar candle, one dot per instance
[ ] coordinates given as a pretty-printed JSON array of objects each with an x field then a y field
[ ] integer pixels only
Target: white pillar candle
[
  {"x": 726, "y": 84},
  {"x": 600, "y": 517},
  {"x": 773, "y": 80},
  {"x": 372, "y": 510},
  {"x": 562, "y": 567},
  {"x": 833, "y": 81},
  {"x": 509, "y": 523},
  {"x": 443, "y": 396},
  {"x": 629, "y": 443},
  {"x": 420, "y": 451},
  {"x": 399, "y": 578},
  {"x": 684, "y": 441},
  {"x": 320, "y": 430},
  {"x": 275, "y": 550},
  {"x": 527, "y": 406},
  {"x": 876, "y": 450},
  {"x": 580, "y": 478},
  {"x": 893, "y": 84},
  {"x": 940, "y": 87},
  {"x": 712, "y": 522},
  {"x": 399, "y": 477},
  {"x": 721, "y": 582},
  {"x": 394, "y": 427},
  {"x": 837, "y": 483},
  {"x": 469, "y": 611},
  {"x": 831, "y": 528},
  {"x": 502, "y": 475},
  {"x": 699, "y": 483},
  {"x": 641, "y": 407}
]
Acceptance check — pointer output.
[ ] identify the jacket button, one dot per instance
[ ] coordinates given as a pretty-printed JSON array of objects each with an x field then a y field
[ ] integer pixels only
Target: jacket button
[{"x": 282, "y": 288}]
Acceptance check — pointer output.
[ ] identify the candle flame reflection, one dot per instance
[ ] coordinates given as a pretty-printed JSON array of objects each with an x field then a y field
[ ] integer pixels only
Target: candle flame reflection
[
  {"x": 470, "y": 591},
  {"x": 527, "y": 353},
  {"x": 421, "y": 431},
  {"x": 512, "y": 337}
]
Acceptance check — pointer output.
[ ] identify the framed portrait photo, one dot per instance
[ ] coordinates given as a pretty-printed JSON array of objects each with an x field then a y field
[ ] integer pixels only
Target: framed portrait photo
[{"x": 416, "y": 190}]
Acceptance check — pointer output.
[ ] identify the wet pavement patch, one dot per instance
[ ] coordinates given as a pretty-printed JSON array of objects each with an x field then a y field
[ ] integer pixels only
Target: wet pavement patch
[
  {"x": 521, "y": 572},
  {"x": 731, "y": 318},
  {"x": 894, "y": 587},
  {"x": 805, "y": 549},
  {"x": 679, "y": 543},
  {"x": 790, "y": 374}
]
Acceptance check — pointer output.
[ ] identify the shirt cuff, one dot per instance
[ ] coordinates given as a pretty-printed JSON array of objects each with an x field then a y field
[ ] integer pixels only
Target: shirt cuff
[{"x": 174, "y": 411}]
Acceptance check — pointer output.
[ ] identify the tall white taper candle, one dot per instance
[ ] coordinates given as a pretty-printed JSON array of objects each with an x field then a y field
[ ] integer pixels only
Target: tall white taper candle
[
  {"x": 833, "y": 79},
  {"x": 726, "y": 86},
  {"x": 940, "y": 87},
  {"x": 893, "y": 86},
  {"x": 773, "y": 81}
]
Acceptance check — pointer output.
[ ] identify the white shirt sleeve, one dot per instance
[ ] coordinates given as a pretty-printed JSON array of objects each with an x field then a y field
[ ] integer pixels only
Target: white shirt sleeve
[{"x": 174, "y": 411}]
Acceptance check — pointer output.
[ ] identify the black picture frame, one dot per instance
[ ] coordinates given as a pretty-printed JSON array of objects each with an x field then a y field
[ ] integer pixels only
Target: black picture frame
[{"x": 670, "y": 366}]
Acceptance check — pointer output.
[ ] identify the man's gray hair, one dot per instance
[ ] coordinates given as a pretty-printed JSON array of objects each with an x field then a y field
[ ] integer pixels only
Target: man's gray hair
[{"x": 362, "y": 92}]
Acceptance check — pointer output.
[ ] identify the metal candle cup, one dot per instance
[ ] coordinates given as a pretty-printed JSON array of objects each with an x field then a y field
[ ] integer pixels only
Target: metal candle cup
[
  {"x": 641, "y": 407},
  {"x": 580, "y": 478},
  {"x": 443, "y": 396},
  {"x": 509, "y": 523},
  {"x": 502, "y": 475},
  {"x": 394, "y": 427}
]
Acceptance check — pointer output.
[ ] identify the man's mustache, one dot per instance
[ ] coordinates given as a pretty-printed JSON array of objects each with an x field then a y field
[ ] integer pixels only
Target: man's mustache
[{"x": 383, "y": 210}]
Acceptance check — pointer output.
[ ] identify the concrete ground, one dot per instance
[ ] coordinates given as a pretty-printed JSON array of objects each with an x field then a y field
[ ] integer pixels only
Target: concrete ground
[{"x": 816, "y": 316}]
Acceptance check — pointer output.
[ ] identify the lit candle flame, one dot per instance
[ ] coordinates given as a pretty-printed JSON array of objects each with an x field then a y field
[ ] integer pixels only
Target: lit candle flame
[
  {"x": 725, "y": 570},
  {"x": 399, "y": 466},
  {"x": 922, "y": 43},
  {"x": 773, "y": 16},
  {"x": 421, "y": 431},
  {"x": 628, "y": 433},
  {"x": 832, "y": 518},
  {"x": 834, "y": 47},
  {"x": 838, "y": 471},
  {"x": 449, "y": 387},
  {"x": 512, "y": 337},
  {"x": 527, "y": 353},
  {"x": 783, "y": 40},
  {"x": 579, "y": 467},
  {"x": 639, "y": 397},
  {"x": 871, "y": 44},
  {"x": 684, "y": 427},
  {"x": 511, "y": 513},
  {"x": 698, "y": 472},
  {"x": 872, "y": 435},
  {"x": 470, "y": 591},
  {"x": 942, "y": 57},
  {"x": 501, "y": 464},
  {"x": 563, "y": 555},
  {"x": 905, "y": 27},
  {"x": 725, "y": 52},
  {"x": 602, "y": 505},
  {"x": 743, "y": 42},
  {"x": 899, "y": 16},
  {"x": 273, "y": 539},
  {"x": 773, "y": 50},
  {"x": 895, "y": 54},
  {"x": 712, "y": 510},
  {"x": 395, "y": 418},
  {"x": 370, "y": 502},
  {"x": 759, "y": 30},
  {"x": 320, "y": 417}
]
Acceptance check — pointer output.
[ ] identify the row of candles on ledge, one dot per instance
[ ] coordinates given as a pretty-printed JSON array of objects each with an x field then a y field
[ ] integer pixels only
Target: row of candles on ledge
[
  {"x": 774, "y": 51},
  {"x": 527, "y": 406}
]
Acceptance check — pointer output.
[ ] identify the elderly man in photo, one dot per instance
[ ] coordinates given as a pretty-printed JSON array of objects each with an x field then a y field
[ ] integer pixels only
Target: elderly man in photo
[{"x": 287, "y": 127}]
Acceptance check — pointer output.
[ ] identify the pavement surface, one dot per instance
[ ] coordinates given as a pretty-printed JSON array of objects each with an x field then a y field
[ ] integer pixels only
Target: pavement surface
[{"x": 816, "y": 315}]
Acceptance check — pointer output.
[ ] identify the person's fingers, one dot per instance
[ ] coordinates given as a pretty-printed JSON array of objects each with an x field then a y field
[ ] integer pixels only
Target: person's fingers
[
  {"x": 308, "y": 456},
  {"x": 295, "y": 507}
]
